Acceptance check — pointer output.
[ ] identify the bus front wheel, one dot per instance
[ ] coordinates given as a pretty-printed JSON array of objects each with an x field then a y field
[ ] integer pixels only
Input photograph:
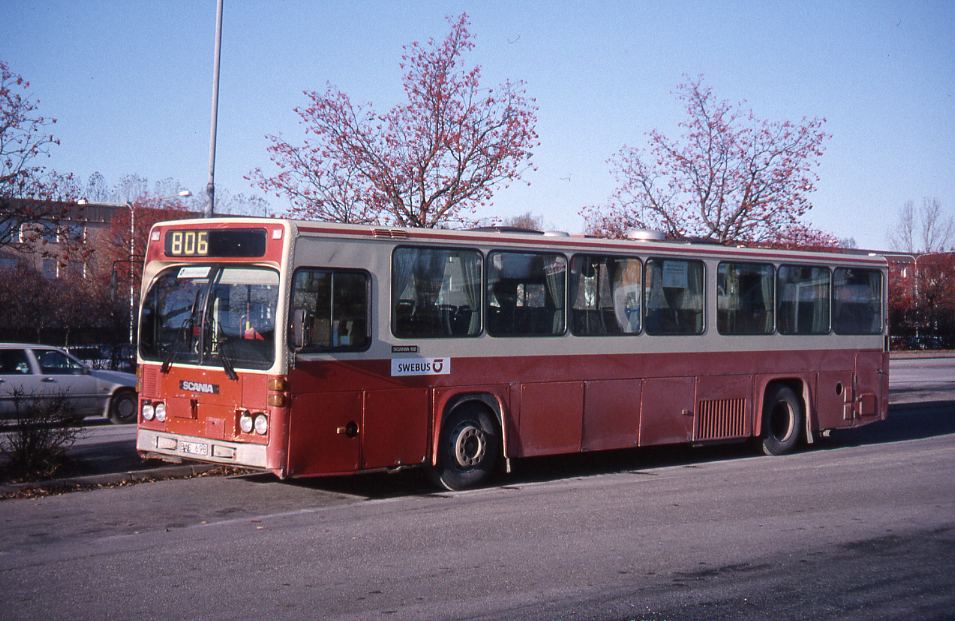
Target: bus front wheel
[
  {"x": 468, "y": 448},
  {"x": 782, "y": 421}
]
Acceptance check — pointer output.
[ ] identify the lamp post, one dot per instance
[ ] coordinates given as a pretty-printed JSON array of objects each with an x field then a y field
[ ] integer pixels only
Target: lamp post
[{"x": 211, "y": 185}]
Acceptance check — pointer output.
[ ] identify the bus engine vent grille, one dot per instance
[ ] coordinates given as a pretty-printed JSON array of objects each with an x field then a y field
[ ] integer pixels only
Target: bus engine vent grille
[
  {"x": 150, "y": 386},
  {"x": 722, "y": 418}
]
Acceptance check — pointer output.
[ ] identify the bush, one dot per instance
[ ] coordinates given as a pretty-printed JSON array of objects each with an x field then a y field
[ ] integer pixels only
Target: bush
[{"x": 45, "y": 429}]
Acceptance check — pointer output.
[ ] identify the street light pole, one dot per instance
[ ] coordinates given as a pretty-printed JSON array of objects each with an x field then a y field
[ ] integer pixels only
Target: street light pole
[
  {"x": 132, "y": 260},
  {"x": 132, "y": 280},
  {"x": 211, "y": 185}
]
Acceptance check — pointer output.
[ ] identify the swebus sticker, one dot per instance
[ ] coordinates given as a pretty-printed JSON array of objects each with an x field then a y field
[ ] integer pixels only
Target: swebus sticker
[{"x": 420, "y": 366}]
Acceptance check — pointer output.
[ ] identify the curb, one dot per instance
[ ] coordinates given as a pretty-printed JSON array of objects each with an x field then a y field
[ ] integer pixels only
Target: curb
[
  {"x": 919, "y": 355},
  {"x": 113, "y": 478}
]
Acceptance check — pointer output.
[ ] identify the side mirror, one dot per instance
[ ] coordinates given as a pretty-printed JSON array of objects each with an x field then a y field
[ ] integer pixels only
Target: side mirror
[{"x": 298, "y": 330}]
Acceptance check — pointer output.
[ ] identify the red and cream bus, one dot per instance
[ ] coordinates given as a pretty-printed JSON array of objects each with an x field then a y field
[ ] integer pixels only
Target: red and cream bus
[{"x": 310, "y": 349}]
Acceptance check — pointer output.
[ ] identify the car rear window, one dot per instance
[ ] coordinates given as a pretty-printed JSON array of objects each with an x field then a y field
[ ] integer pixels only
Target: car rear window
[{"x": 14, "y": 362}]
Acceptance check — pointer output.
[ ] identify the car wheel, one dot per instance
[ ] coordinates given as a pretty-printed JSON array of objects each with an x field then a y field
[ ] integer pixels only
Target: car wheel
[{"x": 122, "y": 408}]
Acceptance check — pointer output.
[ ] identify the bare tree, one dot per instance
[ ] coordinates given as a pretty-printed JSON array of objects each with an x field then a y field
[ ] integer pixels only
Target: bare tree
[
  {"x": 33, "y": 198},
  {"x": 526, "y": 220},
  {"x": 928, "y": 229}
]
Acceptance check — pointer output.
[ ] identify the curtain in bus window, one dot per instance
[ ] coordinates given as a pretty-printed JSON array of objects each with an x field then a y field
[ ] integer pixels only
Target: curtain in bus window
[
  {"x": 605, "y": 295},
  {"x": 471, "y": 314},
  {"x": 436, "y": 292},
  {"x": 744, "y": 298},
  {"x": 802, "y": 299},
  {"x": 525, "y": 294},
  {"x": 555, "y": 268},
  {"x": 857, "y": 301},
  {"x": 674, "y": 291}
]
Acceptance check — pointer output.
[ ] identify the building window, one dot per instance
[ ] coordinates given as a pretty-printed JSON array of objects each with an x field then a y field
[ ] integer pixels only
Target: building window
[
  {"x": 49, "y": 232},
  {"x": 72, "y": 232},
  {"x": 9, "y": 232},
  {"x": 50, "y": 268}
]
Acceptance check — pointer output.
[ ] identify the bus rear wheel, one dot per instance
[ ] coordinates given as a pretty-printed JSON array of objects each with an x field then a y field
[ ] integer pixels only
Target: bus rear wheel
[
  {"x": 782, "y": 421},
  {"x": 468, "y": 448}
]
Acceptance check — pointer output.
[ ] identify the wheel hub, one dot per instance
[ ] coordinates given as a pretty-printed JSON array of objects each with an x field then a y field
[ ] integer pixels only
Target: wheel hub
[
  {"x": 781, "y": 423},
  {"x": 470, "y": 445}
]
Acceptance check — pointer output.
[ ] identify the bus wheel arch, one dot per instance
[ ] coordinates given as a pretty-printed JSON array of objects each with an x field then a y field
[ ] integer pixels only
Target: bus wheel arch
[
  {"x": 783, "y": 419},
  {"x": 469, "y": 443}
]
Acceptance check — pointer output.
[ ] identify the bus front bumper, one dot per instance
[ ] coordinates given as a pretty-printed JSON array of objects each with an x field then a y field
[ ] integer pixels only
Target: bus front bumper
[{"x": 178, "y": 447}]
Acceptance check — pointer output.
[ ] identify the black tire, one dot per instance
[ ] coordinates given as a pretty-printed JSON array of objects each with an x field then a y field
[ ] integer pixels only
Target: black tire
[
  {"x": 782, "y": 421},
  {"x": 468, "y": 449},
  {"x": 122, "y": 407}
]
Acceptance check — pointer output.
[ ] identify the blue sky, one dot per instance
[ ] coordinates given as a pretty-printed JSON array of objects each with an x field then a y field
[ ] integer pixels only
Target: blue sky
[{"x": 130, "y": 83}]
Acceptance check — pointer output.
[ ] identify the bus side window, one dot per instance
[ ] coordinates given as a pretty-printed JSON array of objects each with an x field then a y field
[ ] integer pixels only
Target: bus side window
[
  {"x": 674, "y": 297},
  {"x": 605, "y": 295},
  {"x": 435, "y": 292},
  {"x": 744, "y": 298},
  {"x": 857, "y": 301},
  {"x": 802, "y": 299},
  {"x": 335, "y": 306},
  {"x": 526, "y": 293}
]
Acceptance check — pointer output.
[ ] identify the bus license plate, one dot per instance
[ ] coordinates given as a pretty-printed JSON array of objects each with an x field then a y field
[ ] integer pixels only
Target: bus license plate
[{"x": 194, "y": 448}]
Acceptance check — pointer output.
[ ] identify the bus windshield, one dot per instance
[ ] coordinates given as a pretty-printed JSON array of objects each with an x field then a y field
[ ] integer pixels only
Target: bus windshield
[{"x": 211, "y": 315}]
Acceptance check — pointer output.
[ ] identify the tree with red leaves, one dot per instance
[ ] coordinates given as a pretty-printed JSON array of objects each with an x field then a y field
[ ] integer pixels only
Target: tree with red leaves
[
  {"x": 32, "y": 198},
  {"x": 148, "y": 210},
  {"x": 428, "y": 162},
  {"x": 730, "y": 177}
]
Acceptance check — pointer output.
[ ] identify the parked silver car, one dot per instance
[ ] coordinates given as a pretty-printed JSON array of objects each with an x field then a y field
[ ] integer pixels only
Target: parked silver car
[{"x": 40, "y": 372}]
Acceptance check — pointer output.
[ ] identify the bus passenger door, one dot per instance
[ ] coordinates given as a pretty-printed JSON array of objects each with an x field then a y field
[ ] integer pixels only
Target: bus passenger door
[{"x": 666, "y": 412}]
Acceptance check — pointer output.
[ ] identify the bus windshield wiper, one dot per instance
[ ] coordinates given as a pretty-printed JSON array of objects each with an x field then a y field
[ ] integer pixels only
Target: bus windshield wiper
[
  {"x": 174, "y": 349},
  {"x": 181, "y": 333},
  {"x": 226, "y": 359}
]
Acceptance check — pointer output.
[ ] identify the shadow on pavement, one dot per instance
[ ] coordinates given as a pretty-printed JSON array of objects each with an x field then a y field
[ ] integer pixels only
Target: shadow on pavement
[{"x": 905, "y": 422}]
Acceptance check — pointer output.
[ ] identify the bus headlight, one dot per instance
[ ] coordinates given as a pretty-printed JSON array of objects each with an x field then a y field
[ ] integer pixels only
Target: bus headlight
[
  {"x": 261, "y": 424},
  {"x": 245, "y": 422},
  {"x": 148, "y": 411},
  {"x": 161, "y": 412}
]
